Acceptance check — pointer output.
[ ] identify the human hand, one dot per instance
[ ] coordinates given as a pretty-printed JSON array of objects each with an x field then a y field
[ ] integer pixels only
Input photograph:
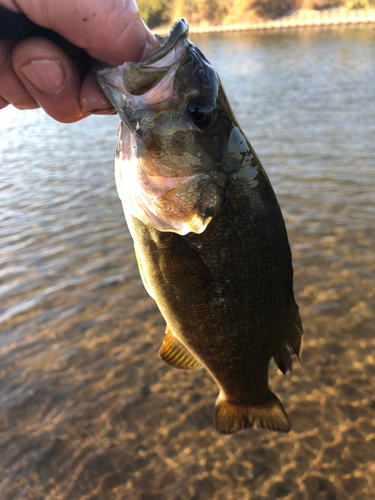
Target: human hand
[{"x": 36, "y": 72}]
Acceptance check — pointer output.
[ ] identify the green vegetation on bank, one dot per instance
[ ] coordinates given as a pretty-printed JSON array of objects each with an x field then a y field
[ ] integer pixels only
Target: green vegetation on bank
[{"x": 213, "y": 12}]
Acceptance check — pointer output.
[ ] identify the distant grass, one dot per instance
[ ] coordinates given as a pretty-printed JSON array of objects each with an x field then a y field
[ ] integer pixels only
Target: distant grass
[
  {"x": 361, "y": 4},
  {"x": 156, "y": 12},
  {"x": 213, "y": 12},
  {"x": 272, "y": 9}
]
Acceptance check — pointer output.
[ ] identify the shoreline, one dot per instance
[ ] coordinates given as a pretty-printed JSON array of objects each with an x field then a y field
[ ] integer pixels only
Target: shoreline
[{"x": 296, "y": 19}]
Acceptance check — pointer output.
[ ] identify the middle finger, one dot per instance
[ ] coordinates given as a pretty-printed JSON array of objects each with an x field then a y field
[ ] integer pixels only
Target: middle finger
[{"x": 12, "y": 89}]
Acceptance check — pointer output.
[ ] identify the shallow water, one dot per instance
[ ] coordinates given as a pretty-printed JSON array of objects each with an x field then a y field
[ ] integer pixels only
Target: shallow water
[{"x": 88, "y": 410}]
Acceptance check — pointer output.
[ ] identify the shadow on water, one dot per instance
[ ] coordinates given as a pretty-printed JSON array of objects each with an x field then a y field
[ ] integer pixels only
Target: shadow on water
[{"x": 88, "y": 410}]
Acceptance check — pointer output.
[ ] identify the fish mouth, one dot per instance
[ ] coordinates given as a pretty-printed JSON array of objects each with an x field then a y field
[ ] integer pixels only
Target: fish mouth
[
  {"x": 133, "y": 85},
  {"x": 167, "y": 43}
]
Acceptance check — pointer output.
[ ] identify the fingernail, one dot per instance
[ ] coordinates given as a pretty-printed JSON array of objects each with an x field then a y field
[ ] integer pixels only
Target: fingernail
[
  {"x": 47, "y": 77},
  {"x": 108, "y": 111}
]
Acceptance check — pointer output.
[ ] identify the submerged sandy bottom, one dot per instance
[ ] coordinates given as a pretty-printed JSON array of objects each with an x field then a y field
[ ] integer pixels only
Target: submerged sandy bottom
[{"x": 93, "y": 413}]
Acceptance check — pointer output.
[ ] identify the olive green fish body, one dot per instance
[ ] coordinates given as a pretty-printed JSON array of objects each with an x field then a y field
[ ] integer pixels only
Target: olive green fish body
[
  {"x": 226, "y": 294},
  {"x": 208, "y": 232}
]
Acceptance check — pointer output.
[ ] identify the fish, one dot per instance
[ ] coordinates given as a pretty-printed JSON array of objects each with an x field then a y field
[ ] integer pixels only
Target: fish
[{"x": 209, "y": 236}]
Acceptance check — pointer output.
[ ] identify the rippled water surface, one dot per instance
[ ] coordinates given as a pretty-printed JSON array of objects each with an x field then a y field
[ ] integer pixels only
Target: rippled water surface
[{"x": 87, "y": 409}]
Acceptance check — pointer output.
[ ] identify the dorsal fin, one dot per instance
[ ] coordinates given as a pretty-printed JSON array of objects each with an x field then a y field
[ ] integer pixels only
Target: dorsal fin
[
  {"x": 175, "y": 354},
  {"x": 292, "y": 341}
]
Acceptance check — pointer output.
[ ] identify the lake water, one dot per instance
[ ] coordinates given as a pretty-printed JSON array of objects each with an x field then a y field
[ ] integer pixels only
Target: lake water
[{"x": 88, "y": 411}]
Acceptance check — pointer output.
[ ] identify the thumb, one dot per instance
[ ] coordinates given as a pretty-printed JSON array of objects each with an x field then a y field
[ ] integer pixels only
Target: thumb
[{"x": 109, "y": 30}]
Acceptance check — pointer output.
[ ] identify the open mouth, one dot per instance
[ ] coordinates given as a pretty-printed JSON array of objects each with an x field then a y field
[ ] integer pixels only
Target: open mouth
[{"x": 134, "y": 84}]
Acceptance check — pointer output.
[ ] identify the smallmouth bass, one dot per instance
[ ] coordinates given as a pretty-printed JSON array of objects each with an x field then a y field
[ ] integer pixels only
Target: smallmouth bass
[{"x": 209, "y": 236}]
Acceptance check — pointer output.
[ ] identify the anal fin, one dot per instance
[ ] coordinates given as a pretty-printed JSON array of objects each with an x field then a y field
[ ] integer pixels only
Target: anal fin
[
  {"x": 175, "y": 354},
  {"x": 230, "y": 418},
  {"x": 292, "y": 342}
]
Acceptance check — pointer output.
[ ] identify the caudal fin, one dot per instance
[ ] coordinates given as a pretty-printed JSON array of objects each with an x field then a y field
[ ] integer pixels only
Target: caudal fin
[{"x": 230, "y": 418}]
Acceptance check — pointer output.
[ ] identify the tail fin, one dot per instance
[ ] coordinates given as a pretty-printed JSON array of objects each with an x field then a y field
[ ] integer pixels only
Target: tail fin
[{"x": 231, "y": 418}]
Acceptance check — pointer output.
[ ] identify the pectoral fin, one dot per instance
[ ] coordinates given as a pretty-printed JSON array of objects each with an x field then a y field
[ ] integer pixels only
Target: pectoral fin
[
  {"x": 180, "y": 259},
  {"x": 173, "y": 353},
  {"x": 292, "y": 342}
]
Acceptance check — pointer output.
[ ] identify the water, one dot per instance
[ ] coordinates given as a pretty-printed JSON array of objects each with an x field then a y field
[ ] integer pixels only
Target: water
[{"x": 88, "y": 410}]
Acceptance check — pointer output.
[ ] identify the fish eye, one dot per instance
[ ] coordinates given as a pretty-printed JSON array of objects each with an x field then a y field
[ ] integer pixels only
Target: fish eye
[{"x": 200, "y": 112}]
